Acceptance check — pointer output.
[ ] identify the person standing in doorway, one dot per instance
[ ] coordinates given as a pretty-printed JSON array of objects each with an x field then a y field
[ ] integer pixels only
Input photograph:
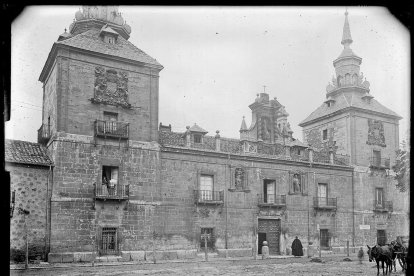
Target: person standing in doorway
[{"x": 297, "y": 248}]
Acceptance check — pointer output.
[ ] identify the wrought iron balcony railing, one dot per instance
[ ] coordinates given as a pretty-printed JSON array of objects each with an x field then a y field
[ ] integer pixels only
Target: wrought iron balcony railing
[
  {"x": 205, "y": 196},
  {"x": 381, "y": 163},
  {"x": 271, "y": 200},
  {"x": 383, "y": 206},
  {"x": 119, "y": 192},
  {"x": 324, "y": 203},
  {"x": 43, "y": 134},
  {"x": 113, "y": 129}
]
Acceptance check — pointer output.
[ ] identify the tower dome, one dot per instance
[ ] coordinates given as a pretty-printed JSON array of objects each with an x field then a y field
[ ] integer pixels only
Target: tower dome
[{"x": 78, "y": 15}]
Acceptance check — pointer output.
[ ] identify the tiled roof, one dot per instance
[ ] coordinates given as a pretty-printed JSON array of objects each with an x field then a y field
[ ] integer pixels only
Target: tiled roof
[
  {"x": 196, "y": 128},
  {"x": 343, "y": 101},
  {"x": 26, "y": 153},
  {"x": 90, "y": 41}
]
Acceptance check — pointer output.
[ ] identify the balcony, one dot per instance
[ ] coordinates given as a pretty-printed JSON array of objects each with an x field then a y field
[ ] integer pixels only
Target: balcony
[
  {"x": 271, "y": 200},
  {"x": 324, "y": 203},
  {"x": 112, "y": 129},
  {"x": 379, "y": 163},
  {"x": 120, "y": 192},
  {"x": 43, "y": 134},
  {"x": 209, "y": 197},
  {"x": 383, "y": 206}
]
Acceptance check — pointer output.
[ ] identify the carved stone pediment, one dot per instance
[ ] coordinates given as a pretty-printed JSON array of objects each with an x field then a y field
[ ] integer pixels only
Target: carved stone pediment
[{"x": 111, "y": 87}]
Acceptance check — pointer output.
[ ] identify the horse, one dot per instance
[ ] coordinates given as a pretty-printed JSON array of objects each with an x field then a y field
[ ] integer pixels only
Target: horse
[
  {"x": 381, "y": 254},
  {"x": 401, "y": 253}
]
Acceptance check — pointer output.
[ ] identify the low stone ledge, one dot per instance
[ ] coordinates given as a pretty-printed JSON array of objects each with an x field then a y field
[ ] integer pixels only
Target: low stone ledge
[
  {"x": 54, "y": 258},
  {"x": 133, "y": 255},
  {"x": 187, "y": 254},
  {"x": 79, "y": 257},
  {"x": 234, "y": 252},
  {"x": 67, "y": 258}
]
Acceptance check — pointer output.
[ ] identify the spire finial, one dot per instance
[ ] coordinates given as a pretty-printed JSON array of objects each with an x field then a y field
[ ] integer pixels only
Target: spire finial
[
  {"x": 346, "y": 35},
  {"x": 65, "y": 30},
  {"x": 264, "y": 88}
]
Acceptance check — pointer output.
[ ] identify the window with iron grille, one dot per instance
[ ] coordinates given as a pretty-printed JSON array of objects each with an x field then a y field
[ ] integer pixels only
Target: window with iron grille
[
  {"x": 381, "y": 237},
  {"x": 207, "y": 233},
  {"x": 109, "y": 241}
]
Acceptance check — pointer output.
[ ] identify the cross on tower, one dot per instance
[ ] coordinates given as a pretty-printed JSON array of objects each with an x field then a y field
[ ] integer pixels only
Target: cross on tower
[{"x": 264, "y": 88}]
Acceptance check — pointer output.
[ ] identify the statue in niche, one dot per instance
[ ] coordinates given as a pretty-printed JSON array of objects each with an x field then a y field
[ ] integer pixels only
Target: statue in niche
[
  {"x": 238, "y": 178},
  {"x": 266, "y": 130},
  {"x": 296, "y": 183}
]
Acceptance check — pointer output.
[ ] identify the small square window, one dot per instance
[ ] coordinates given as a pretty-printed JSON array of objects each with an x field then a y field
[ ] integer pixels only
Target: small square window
[
  {"x": 325, "y": 134},
  {"x": 197, "y": 138}
]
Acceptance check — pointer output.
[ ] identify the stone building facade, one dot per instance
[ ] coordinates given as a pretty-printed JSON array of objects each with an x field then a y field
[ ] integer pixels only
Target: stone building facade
[
  {"x": 352, "y": 122},
  {"x": 124, "y": 185}
]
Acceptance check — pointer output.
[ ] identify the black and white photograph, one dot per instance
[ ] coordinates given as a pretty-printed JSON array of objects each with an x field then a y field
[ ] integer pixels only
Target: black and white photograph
[{"x": 209, "y": 140}]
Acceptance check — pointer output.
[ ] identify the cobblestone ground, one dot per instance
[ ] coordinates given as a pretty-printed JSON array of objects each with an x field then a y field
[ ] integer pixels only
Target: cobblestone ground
[{"x": 290, "y": 266}]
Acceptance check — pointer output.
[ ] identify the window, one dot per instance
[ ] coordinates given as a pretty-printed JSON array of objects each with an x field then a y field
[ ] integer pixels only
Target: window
[
  {"x": 111, "y": 40},
  {"x": 379, "y": 197},
  {"x": 206, "y": 187},
  {"x": 197, "y": 138},
  {"x": 328, "y": 104},
  {"x": 324, "y": 238},
  {"x": 109, "y": 241},
  {"x": 376, "y": 160},
  {"x": 110, "y": 178},
  {"x": 269, "y": 191},
  {"x": 111, "y": 120},
  {"x": 298, "y": 152},
  {"x": 208, "y": 234},
  {"x": 381, "y": 237},
  {"x": 322, "y": 194},
  {"x": 325, "y": 134}
]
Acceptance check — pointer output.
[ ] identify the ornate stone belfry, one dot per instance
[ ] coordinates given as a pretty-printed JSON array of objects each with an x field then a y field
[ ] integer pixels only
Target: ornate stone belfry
[
  {"x": 269, "y": 121},
  {"x": 99, "y": 16},
  {"x": 347, "y": 68}
]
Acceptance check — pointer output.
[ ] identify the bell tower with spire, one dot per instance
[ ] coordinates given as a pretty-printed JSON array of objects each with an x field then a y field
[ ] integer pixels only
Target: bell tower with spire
[{"x": 351, "y": 121}]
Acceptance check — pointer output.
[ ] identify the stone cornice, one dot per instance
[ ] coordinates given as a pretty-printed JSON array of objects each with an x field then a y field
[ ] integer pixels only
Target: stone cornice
[
  {"x": 349, "y": 109},
  {"x": 251, "y": 157},
  {"x": 56, "y": 46}
]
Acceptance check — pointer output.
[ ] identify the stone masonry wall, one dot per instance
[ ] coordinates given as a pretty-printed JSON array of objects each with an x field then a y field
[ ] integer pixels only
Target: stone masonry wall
[
  {"x": 30, "y": 186},
  {"x": 78, "y": 166},
  {"x": 142, "y": 95},
  {"x": 238, "y": 214}
]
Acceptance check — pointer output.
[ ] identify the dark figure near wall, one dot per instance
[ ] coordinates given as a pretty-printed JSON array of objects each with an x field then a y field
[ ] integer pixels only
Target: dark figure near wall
[{"x": 297, "y": 248}]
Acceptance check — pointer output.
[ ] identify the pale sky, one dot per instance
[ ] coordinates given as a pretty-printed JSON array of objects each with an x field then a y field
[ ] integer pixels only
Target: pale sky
[{"x": 216, "y": 59}]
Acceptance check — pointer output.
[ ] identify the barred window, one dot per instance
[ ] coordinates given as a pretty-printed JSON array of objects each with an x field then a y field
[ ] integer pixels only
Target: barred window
[
  {"x": 207, "y": 233},
  {"x": 109, "y": 241}
]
